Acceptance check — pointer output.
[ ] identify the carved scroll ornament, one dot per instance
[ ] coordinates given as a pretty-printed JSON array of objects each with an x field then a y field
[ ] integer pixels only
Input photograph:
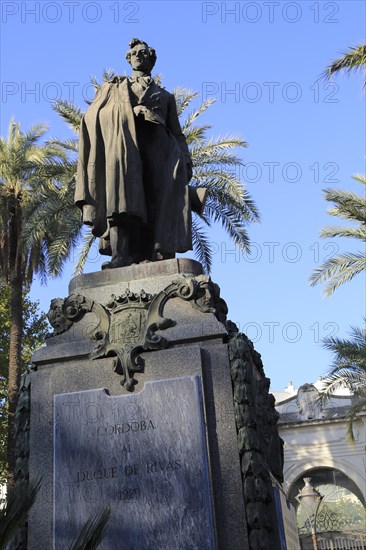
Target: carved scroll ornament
[{"x": 128, "y": 323}]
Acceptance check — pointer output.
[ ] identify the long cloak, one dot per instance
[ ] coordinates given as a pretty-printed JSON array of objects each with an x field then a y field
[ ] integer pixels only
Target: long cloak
[{"x": 134, "y": 169}]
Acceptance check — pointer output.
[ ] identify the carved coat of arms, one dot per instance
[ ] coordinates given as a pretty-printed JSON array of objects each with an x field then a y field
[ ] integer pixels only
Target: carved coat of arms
[{"x": 128, "y": 324}]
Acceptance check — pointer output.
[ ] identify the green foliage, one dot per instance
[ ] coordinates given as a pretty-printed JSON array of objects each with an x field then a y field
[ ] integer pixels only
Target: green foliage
[
  {"x": 348, "y": 370},
  {"x": 348, "y": 206},
  {"x": 352, "y": 510},
  {"x": 53, "y": 226},
  {"x": 215, "y": 167},
  {"x": 88, "y": 239},
  {"x": 343, "y": 267},
  {"x": 31, "y": 178},
  {"x": 13, "y": 514},
  {"x": 349, "y": 364},
  {"x": 19, "y": 502},
  {"x": 346, "y": 514},
  {"x": 70, "y": 113},
  {"x": 92, "y": 533},
  {"x": 35, "y": 330},
  {"x": 353, "y": 60}
]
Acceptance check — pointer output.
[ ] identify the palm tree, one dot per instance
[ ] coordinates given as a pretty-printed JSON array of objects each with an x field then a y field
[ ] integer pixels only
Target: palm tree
[
  {"x": 349, "y": 206},
  {"x": 353, "y": 60},
  {"x": 28, "y": 171},
  {"x": 215, "y": 167},
  {"x": 343, "y": 267},
  {"x": 349, "y": 366},
  {"x": 348, "y": 370}
]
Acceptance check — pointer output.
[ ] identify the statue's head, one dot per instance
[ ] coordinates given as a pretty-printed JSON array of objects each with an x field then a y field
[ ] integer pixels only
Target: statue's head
[{"x": 140, "y": 56}]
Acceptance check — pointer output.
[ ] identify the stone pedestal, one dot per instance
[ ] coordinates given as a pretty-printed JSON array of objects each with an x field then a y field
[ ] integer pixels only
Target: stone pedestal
[{"x": 132, "y": 407}]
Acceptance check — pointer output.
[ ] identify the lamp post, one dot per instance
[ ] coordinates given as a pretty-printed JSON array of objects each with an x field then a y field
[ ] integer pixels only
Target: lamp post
[{"x": 309, "y": 498}]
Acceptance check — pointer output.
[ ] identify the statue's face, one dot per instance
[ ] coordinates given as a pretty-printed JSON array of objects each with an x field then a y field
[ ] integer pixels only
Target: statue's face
[{"x": 140, "y": 58}]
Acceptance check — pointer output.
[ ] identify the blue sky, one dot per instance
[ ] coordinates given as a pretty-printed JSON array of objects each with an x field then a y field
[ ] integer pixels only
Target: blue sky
[{"x": 261, "y": 61}]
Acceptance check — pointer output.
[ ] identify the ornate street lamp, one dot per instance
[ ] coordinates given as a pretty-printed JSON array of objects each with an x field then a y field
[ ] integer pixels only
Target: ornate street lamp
[{"x": 309, "y": 499}]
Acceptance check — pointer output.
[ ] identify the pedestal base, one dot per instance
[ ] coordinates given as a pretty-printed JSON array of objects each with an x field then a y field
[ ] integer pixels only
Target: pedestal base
[{"x": 125, "y": 330}]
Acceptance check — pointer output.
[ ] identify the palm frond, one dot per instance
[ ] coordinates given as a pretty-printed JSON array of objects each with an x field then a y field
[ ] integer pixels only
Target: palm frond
[
  {"x": 337, "y": 381},
  {"x": 95, "y": 83},
  {"x": 37, "y": 264},
  {"x": 231, "y": 222},
  {"x": 53, "y": 226},
  {"x": 158, "y": 78},
  {"x": 201, "y": 245},
  {"x": 338, "y": 271},
  {"x": 88, "y": 240},
  {"x": 350, "y": 349},
  {"x": 33, "y": 135},
  {"x": 352, "y": 416},
  {"x": 183, "y": 98},
  {"x": 332, "y": 231},
  {"x": 347, "y": 205},
  {"x": 108, "y": 74},
  {"x": 196, "y": 113},
  {"x": 92, "y": 533},
  {"x": 234, "y": 197},
  {"x": 221, "y": 158},
  {"x": 352, "y": 60},
  {"x": 360, "y": 178},
  {"x": 70, "y": 113},
  {"x": 343, "y": 267},
  {"x": 218, "y": 180},
  {"x": 349, "y": 360},
  {"x": 68, "y": 144},
  {"x": 196, "y": 133},
  {"x": 13, "y": 131},
  {"x": 60, "y": 249},
  {"x": 12, "y": 515},
  {"x": 222, "y": 143},
  {"x": 348, "y": 370}
]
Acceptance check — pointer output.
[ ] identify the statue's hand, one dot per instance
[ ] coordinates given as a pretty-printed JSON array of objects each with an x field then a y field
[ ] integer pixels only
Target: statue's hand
[
  {"x": 150, "y": 116},
  {"x": 139, "y": 110}
]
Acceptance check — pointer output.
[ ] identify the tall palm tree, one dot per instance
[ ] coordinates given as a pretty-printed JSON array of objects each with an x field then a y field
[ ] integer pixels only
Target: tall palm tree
[
  {"x": 349, "y": 365},
  {"x": 215, "y": 167},
  {"x": 348, "y": 370},
  {"x": 343, "y": 267},
  {"x": 28, "y": 171}
]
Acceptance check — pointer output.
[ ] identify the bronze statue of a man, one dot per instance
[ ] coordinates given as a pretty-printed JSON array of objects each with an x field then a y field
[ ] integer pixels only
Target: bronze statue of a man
[{"x": 134, "y": 167}]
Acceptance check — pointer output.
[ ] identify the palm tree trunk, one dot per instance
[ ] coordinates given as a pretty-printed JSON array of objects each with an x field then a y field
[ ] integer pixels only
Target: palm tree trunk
[
  {"x": 15, "y": 343},
  {"x": 16, "y": 308}
]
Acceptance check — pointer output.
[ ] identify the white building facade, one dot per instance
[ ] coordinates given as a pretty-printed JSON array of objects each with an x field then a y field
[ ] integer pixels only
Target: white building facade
[{"x": 315, "y": 443}]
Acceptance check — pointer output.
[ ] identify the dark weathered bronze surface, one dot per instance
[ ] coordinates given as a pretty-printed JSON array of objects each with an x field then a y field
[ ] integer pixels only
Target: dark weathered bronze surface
[{"x": 134, "y": 167}]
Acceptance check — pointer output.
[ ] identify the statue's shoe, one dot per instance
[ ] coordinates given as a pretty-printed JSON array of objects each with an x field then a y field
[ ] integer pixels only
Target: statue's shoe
[
  {"x": 117, "y": 262},
  {"x": 160, "y": 255}
]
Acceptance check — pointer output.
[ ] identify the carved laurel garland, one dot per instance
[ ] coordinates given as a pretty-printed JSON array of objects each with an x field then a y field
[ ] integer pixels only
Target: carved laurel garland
[
  {"x": 128, "y": 324},
  {"x": 22, "y": 426},
  {"x": 260, "y": 446}
]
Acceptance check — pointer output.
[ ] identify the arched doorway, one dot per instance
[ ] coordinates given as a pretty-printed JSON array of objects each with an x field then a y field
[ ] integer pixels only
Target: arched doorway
[{"x": 341, "y": 519}]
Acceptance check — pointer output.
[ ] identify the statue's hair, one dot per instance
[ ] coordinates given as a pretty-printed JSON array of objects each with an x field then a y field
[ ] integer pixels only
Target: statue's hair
[{"x": 134, "y": 42}]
